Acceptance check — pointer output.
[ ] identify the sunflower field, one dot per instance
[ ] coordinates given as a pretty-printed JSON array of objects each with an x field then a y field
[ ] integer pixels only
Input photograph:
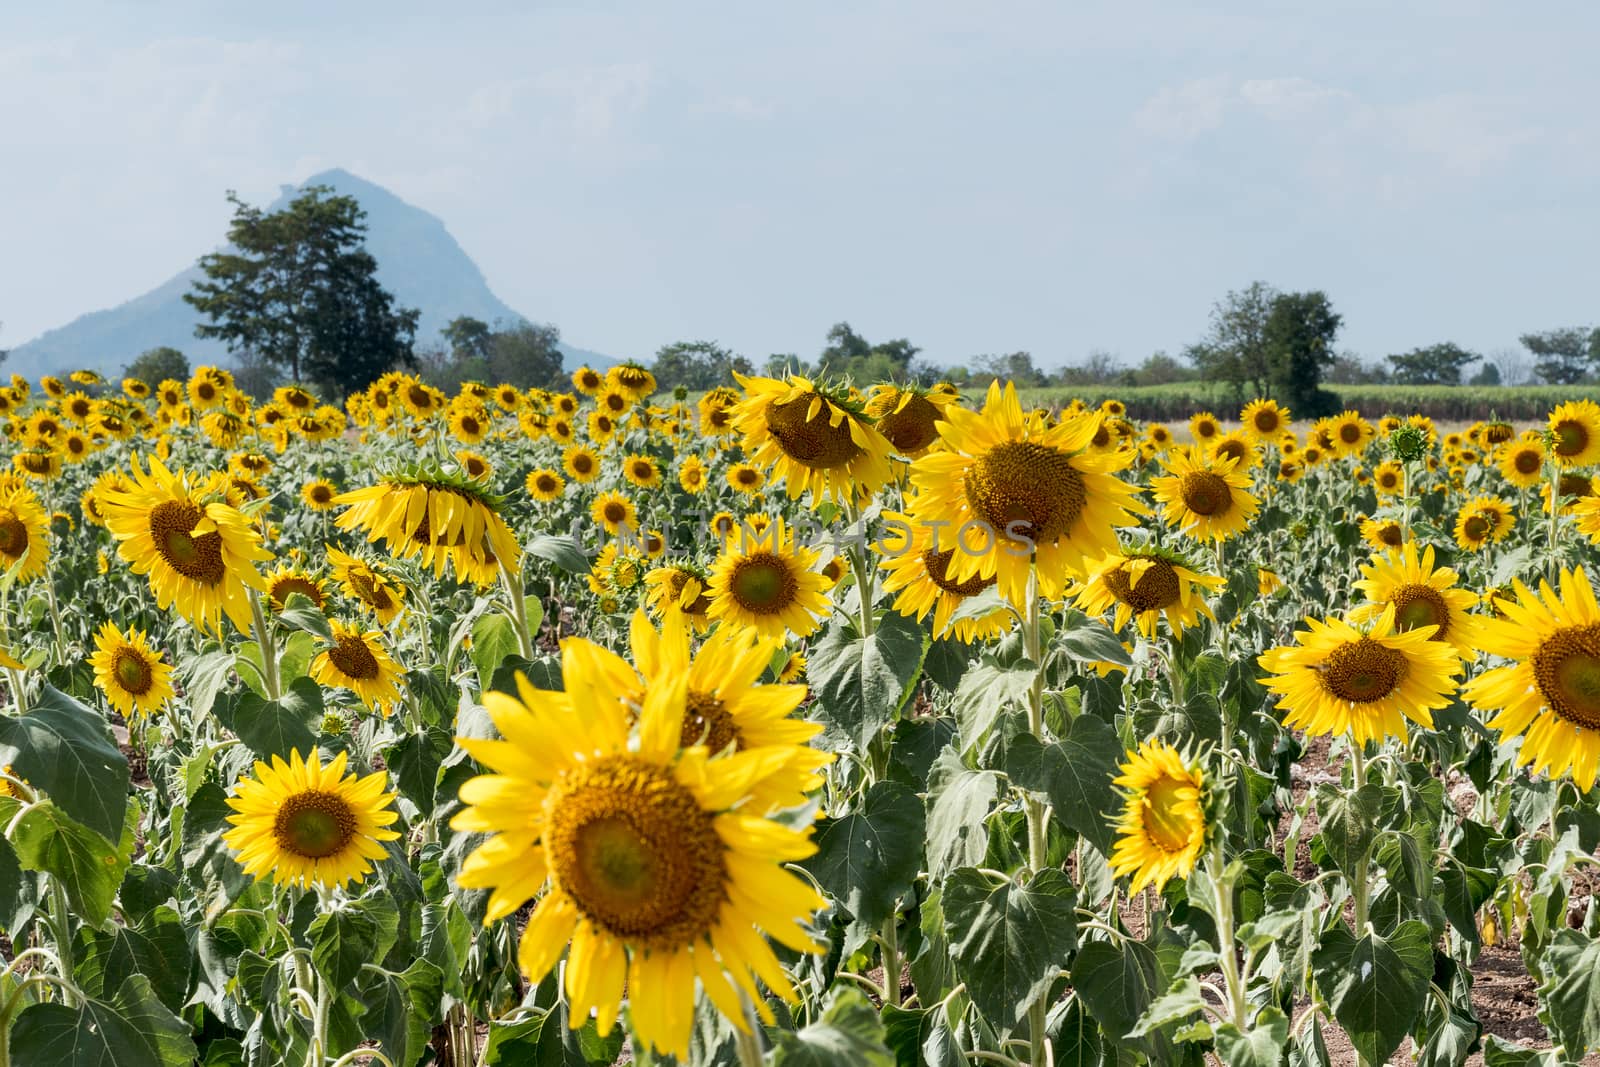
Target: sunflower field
[{"x": 796, "y": 724}]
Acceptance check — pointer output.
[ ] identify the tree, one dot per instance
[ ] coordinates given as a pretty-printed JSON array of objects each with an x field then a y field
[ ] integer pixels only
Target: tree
[
  {"x": 1565, "y": 356},
  {"x": 848, "y": 354},
  {"x": 468, "y": 338},
  {"x": 697, "y": 365},
  {"x": 1013, "y": 366},
  {"x": 157, "y": 365},
  {"x": 1098, "y": 368},
  {"x": 1348, "y": 368},
  {"x": 1160, "y": 369},
  {"x": 526, "y": 355},
  {"x": 1439, "y": 364},
  {"x": 1236, "y": 347},
  {"x": 1488, "y": 374},
  {"x": 298, "y": 288},
  {"x": 1299, "y": 335}
]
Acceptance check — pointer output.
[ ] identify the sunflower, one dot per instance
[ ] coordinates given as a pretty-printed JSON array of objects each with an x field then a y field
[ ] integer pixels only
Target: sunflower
[
  {"x": 1336, "y": 679},
  {"x": 1421, "y": 595},
  {"x": 441, "y": 516},
  {"x": 52, "y": 386},
  {"x": 1207, "y": 498},
  {"x": 286, "y": 581},
  {"x": 613, "y": 511},
  {"x": 581, "y": 463},
  {"x": 1264, "y": 420},
  {"x": 917, "y": 560},
  {"x": 1349, "y": 434},
  {"x": 680, "y": 588},
  {"x": 746, "y": 478},
  {"x": 908, "y": 417},
  {"x": 793, "y": 669},
  {"x": 633, "y": 379},
  {"x": 474, "y": 465},
  {"x": 469, "y": 424},
  {"x": 613, "y": 403},
  {"x": 1389, "y": 478},
  {"x": 1267, "y": 581},
  {"x": 811, "y": 439},
  {"x": 1031, "y": 494},
  {"x": 1143, "y": 584},
  {"x": 1204, "y": 426},
  {"x": 692, "y": 475},
  {"x": 1586, "y": 517},
  {"x": 305, "y": 823},
  {"x": 1161, "y": 833},
  {"x": 641, "y": 471},
  {"x": 294, "y": 398},
  {"x": 131, "y": 674},
  {"x": 1382, "y": 533},
  {"x": 1159, "y": 436},
  {"x": 199, "y": 553},
  {"x": 545, "y": 485},
  {"x": 357, "y": 661},
  {"x": 651, "y": 867},
  {"x": 1291, "y": 471},
  {"x": 318, "y": 494},
  {"x": 1571, "y": 488},
  {"x": 1237, "y": 446},
  {"x": 24, "y": 532},
  {"x": 1551, "y": 692},
  {"x": 763, "y": 580},
  {"x": 363, "y": 581},
  {"x": 588, "y": 381},
  {"x": 1483, "y": 521},
  {"x": 1575, "y": 433},
  {"x": 41, "y": 463}
]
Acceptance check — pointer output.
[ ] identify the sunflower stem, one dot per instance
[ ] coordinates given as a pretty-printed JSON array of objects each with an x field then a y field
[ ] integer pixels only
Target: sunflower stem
[
  {"x": 1037, "y": 810},
  {"x": 1229, "y": 962},
  {"x": 519, "y": 609},
  {"x": 60, "y": 926},
  {"x": 748, "y": 1037},
  {"x": 60, "y": 655},
  {"x": 1358, "y": 764},
  {"x": 1553, "y": 568},
  {"x": 889, "y": 943},
  {"x": 269, "y": 651}
]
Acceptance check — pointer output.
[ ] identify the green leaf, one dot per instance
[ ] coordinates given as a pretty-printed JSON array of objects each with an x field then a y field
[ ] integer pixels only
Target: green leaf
[
  {"x": 985, "y": 692},
  {"x": 341, "y": 941},
  {"x": 1117, "y": 983},
  {"x": 1009, "y": 940},
  {"x": 1177, "y": 1004},
  {"x": 564, "y": 552},
  {"x": 1074, "y": 1035},
  {"x": 291, "y": 723},
  {"x": 912, "y": 1032},
  {"x": 1261, "y": 1046},
  {"x": 1348, "y": 827},
  {"x": 515, "y": 1044},
  {"x": 208, "y": 676},
  {"x": 156, "y": 947},
  {"x": 1498, "y": 1052},
  {"x": 300, "y": 613},
  {"x": 849, "y": 1034},
  {"x": 866, "y": 859},
  {"x": 959, "y": 800},
  {"x": 1572, "y": 992},
  {"x": 414, "y": 763},
  {"x": 63, "y": 748},
  {"x": 1089, "y": 641},
  {"x": 1075, "y": 773},
  {"x": 1375, "y": 985},
  {"x": 494, "y": 638},
  {"x": 86, "y": 865},
  {"x": 861, "y": 683},
  {"x": 132, "y": 1030}
]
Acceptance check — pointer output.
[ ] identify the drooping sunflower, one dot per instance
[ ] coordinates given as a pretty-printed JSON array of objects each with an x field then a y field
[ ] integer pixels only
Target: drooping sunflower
[
  {"x": 305, "y": 823},
  {"x": 1264, "y": 420},
  {"x": 131, "y": 674},
  {"x": 1144, "y": 584},
  {"x": 907, "y": 416},
  {"x": 1575, "y": 433},
  {"x": 1382, "y": 533},
  {"x": 1337, "y": 679},
  {"x": 633, "y": 379},
  {"x": 811, "y": 439},
  {"x": 199, "y": 553},
  {"x": 366, "y": 583},
  {"x": 357, "y": 661},
  {"x": 440, "y": 515},
  {"x": 765, "y": 581},
  {"x": 1421, "y": 595},
  {"x": 1482, "y": 521},
  {"x": 613, "y": 511},
  {"x": 1016, "y": 493},
  {"x": 1207, "y": 498},
  {"x": 24, "y": 532},
  {"x": 917, "y": 559},
  {"x": 1550, "y": 693},
  {"x": 581, "y": 463},
  {"x": 651, "y": 866},
  {"x": 641, "y": 471},
  {"x": 545, "y": 485},
  {"x": 1161, "y": 832}
]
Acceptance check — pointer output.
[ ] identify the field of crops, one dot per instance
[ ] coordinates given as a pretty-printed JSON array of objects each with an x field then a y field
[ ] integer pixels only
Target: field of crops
[
  {"x": 1456, "y": 403},
  {"x": 793, "y": 725}
]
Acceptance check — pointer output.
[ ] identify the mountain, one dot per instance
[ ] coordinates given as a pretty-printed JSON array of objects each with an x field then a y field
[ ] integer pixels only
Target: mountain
[{"x": 418, "y": 261}]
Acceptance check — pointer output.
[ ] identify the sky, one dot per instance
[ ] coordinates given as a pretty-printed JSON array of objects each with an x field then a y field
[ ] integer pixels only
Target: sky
[{"x": 980, "y": 178}]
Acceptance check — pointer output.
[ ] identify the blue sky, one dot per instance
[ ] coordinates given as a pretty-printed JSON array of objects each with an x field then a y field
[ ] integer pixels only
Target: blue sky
[{"x": 977, "y": 177}]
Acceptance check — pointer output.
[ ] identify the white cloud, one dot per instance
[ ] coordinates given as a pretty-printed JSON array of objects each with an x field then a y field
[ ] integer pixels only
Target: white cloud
[
  {"x": 1463, "y": 133},
  {"x": 1184, "y": 112},
  {"x": 1281, "y": 99},
  {"x": 599, "y": 97}
]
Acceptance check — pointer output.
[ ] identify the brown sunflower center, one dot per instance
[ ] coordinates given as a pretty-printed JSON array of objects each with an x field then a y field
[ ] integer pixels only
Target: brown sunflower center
[
  {"x": 582, "y": 463},
  {"x": 1033, "y": 486},
  {"x": 1571, "y": 437},
  {"x": 321, "y": 494},
  {"x": 1567, "y": 669},
  {"x": 470, "y": 426},
  {"x": 354, "y": 659},
  {"x": 746, "y": 475},
  {"x": 1575, "y": 485},
  {"x": 1527, "y": 461},
  {"x": 938, "y": 567},
  {"x": 1233, "y": 450},
  {"x": 614, "y": 512},
  {"x": 1476, "y": 527},
  {"x": 707, "y": 721},
  {"x": 813, "y": 442},
  {"x": 912, "y": 428},
  {"x": 1167, "y": 821},
  {"x": 545, "y": 483},
  {"x": 314, "y": 824},
  {"x": 1157, "y": 588},
  {"x": 1350, "y": 433},
  {"x": 13, "y": 534},
  {"x": 198, "y": 558},
  {"x": 1391, "y": 534},
  {"x": 1205, "y": 493},
  {"x": 1363, "y": 671},
  {"x": 1265, "y": 421},
  {"x": 636, "y": 853},
  {"x": 283, "y": 587},
  {"x": 763, "y": 583},
  {"x": 1420, "y": 605},
  {"x": 132, "y": 672}
]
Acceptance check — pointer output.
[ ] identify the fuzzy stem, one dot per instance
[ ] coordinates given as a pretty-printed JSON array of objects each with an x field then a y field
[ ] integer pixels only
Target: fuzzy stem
[
  {"x": 1237, "y": 1005},
  {"x": 269, "y": 651}
]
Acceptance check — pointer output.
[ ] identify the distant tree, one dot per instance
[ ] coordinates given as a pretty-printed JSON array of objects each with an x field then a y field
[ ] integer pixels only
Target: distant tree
[
  {"x": 1348, "y": 368},
  {"x": 1099, "y": 367},
  {"x": 779, "y": 364},
  {"x": 157, "y": 365},
  {"x": 1439, "y": 364},
  {"x": 1161, "y": 369},
  {"x": 1512, "y": 364},
  {"x": 1564, "y": 356},
  {"x": 1236, "y": 347},
  {"x": 848, "y": 354},
  {"x": 1488, "y": 374},
  {"x": 697, "y": 365},
  {"x": 1299, "y": 336},
  {"x": 1016, "y": 367},
  {"x": 468, "y": 338},
  {"x": 298, "y": 289},
  {"x": 523, "y": 354},
  {"x": 254, "y": 376}
]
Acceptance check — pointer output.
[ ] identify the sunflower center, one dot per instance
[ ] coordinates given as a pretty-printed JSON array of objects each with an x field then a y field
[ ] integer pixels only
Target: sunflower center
[
  {"x": 813, "y": 442},
  {"x": 1567, "y": 668},
  {"x": 1031, "y": 485},
  {"x": 199, "y": 558},
  {"x": 545, "y": 483},
  {"x": 353, "y": 658},
  {"x": 1266, "y": 422},
  {"x": 294, "y": 583},
  {"x": 636, "y": 853},
  {"x": 1390, "y": 534},
  {"x": 321, "y": 494},
  {"x": 1206, "y": 493},
  {"x": 763, "y": 583},
  {"x": 707, "y": 721},
  {"x": 1476, "y": 527},
  {"x": 314, "y": 824},
  {"x": 1231, "y": 450},
  {"x": 938, "y": 567},
  {"x": 1155, "y": 589},
  {"x": 13, "y": 534},
  {"x": 1420, "y": 605},
  {"x": 1166, "y": 818},
  {"x": 1363, "y": 671},
  {"x": 132, "y": 672},
  {"x": 615, "y": 512},
  {"x": 1571, "y": 437},
  {"x": 1350, "y": 433},
  {"x": 911, "y": 429},
  {"x": 1577, "y": 485},
  {"x": 1527, "y": 461},
  {"x": 1389, "y": 480}
]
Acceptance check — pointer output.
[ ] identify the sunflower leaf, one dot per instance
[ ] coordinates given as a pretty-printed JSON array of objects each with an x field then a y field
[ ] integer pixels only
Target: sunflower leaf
[
  {"x": 849, "y": 1034},
  {"x": 866, "y": 859},
  {"x": 46, "y": 838},
  {"x": 61, "y": 747},
  {"x": 1075, "y": 773},
  {"x": 1376, "y": 985},
  {"x": 862, "y": 682},
  {"x": 1572, "y": 995},
  {"x": 299, "y": 613},
  {"x": 278, "y": 727},
  {"x": 1010, "y": 941},
  {"x": 341, "y": 941},
  {"x": 564, "y": 552},
  {"x": 133, "y": 1029}
]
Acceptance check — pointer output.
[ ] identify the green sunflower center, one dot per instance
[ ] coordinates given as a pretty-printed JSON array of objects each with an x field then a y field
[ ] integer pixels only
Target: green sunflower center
[
  {"x": 1363, "y": 671},
  {"x": 132, "y": 672},
  {"x": 763, "y": 583},
  {"x": 812, "y": 442},
  {"x": 636, "y": 853},
  {"x": 1420, "y": 605},
  {"x": 1567, "y": 670},
  {"x": 1158, "y": 587},
  {"x": 198, "y": 558},
  {"x": 1033, "y": 486},
  {"x": 1167, "y": 818},
  {"x": 1205, "y": 493},
  {"x": 314, "y": 824}
]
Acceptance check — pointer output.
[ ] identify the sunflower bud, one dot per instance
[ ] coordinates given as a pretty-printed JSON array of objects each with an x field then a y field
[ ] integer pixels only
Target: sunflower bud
[{"x": 1408, "y": 443}]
